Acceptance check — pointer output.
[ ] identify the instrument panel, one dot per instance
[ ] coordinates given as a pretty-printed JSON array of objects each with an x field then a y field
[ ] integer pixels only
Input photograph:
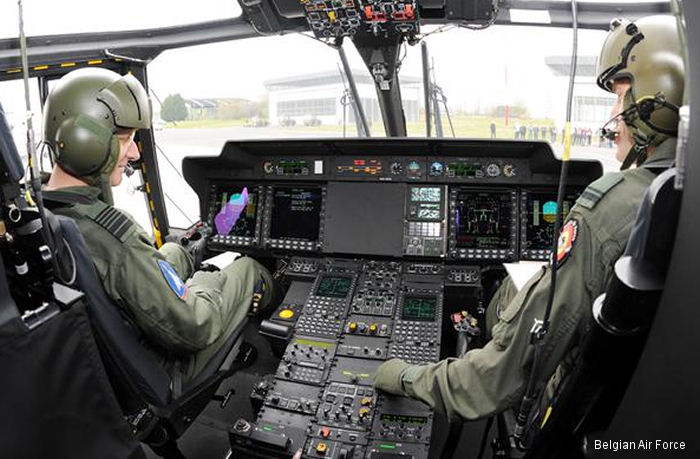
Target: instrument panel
[
  {"x": 437, "y": 221},
  {"x": 474, "y": 201},
  {"x": 384, "y": 240}
]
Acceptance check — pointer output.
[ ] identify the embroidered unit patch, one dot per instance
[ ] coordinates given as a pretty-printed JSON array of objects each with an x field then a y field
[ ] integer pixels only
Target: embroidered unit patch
[
  {"x": 173, "y": 280},
  {"x": 567, "y": 237}
]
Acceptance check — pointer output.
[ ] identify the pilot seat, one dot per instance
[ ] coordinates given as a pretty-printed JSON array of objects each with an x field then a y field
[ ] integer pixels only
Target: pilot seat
[{"x": 159, "y": 408}]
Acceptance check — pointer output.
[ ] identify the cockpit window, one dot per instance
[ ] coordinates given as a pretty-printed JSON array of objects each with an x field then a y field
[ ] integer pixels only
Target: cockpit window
[
  {"x": 78, "y": 16},
  {"x": 502, "y": 82}
]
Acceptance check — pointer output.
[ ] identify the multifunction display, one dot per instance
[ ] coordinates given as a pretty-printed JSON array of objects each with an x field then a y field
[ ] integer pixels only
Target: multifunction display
[
  {"x": 539, "y": 212},
  {"x": 418, "y": 308},
  {"x": 236, "y": 211},
  {"x": 483, "y": 220},
  {"x": 295, "y": 213},
  {"x": 424, "y": 228},
  {"x": 334, "y": 286}
]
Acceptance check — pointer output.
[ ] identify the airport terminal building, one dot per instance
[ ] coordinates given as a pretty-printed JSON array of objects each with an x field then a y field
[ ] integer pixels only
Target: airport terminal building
[
  {"x": 590, "y": 106},
  {"x": 318, "y": 98}
]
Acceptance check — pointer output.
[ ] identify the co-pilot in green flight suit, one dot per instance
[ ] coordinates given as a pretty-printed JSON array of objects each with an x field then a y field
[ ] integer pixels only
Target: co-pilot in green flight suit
[
  {"x": 488, "y": 380},
  {"x": 184, "y": 322}
]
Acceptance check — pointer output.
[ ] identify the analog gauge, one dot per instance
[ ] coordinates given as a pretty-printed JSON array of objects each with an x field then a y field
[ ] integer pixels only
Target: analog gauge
[
  {"x": 492, "y": 170},
  {"x": 509, "y": 170},
  {"x": 396, "y": 168},
  {"x": 414, "y": 169},
  {"x": 268, "y": 167},
  {"x": 436, "y": 169}
]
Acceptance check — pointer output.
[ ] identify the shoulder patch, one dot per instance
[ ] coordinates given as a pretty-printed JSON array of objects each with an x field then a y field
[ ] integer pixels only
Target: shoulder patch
[
  {"x": 596, "y": 190},
  {"x": 111, "y": 219},
  {"x": 567, "y": 238},
  {"x": 173, "y": 280}
]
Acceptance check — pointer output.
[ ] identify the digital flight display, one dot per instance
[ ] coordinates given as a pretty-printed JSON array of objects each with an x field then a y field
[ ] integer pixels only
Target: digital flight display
[
  {"x": 464, "y": 169},
  {"x": 292, "y": 167},
  {"x": 359, "y": 167},
  {"x": 419, "y": 308},
  {"x": 235, "y": 212},
  {"x": 540, "y": 213},
  {"x": 425, "y": 194},
  {"x": 387, "y": 418},
  {"x": 334, "y": 286},
  {"x": 483, "y": 220},
  {"x": 427, "y": 211},
  {"x": 296, "y": 213}
]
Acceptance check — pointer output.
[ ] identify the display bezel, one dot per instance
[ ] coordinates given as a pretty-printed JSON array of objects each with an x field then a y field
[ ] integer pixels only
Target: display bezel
[
  {"x": 539, "y": 254},
  {"x": 507, "y": 252},
  {"x": 293, "y": 243},
  {"x": 431, "y": 298},
  {"x": 216, "y": 189}
]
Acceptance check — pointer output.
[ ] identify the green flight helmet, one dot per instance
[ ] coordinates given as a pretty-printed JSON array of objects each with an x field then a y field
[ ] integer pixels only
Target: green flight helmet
[
  {"x": 82, "y": 116},
  {"x": 649, "y": 53}
]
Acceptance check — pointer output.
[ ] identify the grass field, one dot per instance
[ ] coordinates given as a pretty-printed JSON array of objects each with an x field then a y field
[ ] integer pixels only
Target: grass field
[{"x": 470, "y": 126}]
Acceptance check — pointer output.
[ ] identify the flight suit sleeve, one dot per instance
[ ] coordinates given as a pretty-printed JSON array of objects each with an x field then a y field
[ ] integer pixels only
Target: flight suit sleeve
[
  {"x": 179, "y": 258},
  {"x": 493, "y": 378},
  {"x": 177, "y": 316},
  {"x": 501, "y": 298}
]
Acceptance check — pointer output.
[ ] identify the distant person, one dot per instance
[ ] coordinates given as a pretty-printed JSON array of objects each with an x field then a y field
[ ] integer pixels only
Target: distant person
[
  {"x": 523, "y": 130},
  {"x": 553, "y": 134},
  {"x": 536, "y": 133},
  {"x": 543, "y": 132},
  {"x": 492, "y": 127}
]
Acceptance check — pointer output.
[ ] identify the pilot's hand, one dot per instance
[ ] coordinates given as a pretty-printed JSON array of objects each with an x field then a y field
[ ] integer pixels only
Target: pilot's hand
[
  {"x": 195, "y": 241},
  {"x": 388, "y": 376},
  {"x": 297, "y": 455}
]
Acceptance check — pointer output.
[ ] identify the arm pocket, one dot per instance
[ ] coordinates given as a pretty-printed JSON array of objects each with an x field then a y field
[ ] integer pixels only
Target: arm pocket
[{"x": 503, "y": 331}]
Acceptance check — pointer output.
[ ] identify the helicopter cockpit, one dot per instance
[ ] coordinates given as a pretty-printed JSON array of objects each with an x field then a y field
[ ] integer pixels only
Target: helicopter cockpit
[{"x": 390, "y": 214}]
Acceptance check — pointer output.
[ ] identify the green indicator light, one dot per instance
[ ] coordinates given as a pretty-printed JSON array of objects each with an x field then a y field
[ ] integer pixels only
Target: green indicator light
[
  {"x": 387, "y": 446},
  {"x": 267, "y": 428}
]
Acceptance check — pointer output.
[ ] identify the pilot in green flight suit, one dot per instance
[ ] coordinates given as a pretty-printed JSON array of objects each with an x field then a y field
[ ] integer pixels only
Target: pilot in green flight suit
[
  {"x": 90, "y": 119},
  {"x": 638, "y": 62}
]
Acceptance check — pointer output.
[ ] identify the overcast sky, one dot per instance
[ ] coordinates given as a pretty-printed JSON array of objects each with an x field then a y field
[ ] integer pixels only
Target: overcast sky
[{"x": 471, "y": 66}]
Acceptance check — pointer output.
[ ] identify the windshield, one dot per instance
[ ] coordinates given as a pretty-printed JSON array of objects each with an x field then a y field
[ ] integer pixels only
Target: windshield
[
  {"x": 80, "y": 16},
  {"x": 503, "y": 82}
]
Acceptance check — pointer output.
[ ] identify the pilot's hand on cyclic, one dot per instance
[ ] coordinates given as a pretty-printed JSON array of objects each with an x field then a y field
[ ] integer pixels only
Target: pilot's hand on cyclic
[{"x": 389, "y": 376}]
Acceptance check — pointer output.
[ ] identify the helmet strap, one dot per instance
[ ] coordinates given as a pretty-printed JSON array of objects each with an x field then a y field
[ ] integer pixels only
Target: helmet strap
[
  {"x": 637, "y": 155},
  {"x": 106, "y": 189}
]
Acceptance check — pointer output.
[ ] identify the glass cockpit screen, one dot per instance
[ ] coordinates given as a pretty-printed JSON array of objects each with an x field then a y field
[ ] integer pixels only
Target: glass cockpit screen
[
  {"x": 235, "y": 212},
  {"x": 483, "y": 220},
  {"x": 296, "y": 213},
  {"x": 419, "y": 308},
  {"x": 334, "y": 286},
  {"x": 425, "y": 203},
  {"x": 541, "y": 212}
]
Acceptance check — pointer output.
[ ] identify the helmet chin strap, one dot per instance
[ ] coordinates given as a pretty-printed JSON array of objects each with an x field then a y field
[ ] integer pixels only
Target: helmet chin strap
[
  {"x": 106, "y": 189},
  {"x": 637, "y": 154}
]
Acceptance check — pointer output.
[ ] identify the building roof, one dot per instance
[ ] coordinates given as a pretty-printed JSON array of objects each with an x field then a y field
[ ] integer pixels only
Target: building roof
[
  {"x": 327, "y": 78},
  {"x": 201, "y": 103},
  {"x": 561, "y": 65}
]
